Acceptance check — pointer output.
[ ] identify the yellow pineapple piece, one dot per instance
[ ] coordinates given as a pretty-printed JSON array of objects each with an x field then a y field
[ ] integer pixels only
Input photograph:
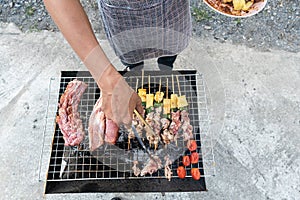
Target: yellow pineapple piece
[
  {"x": 238, "y": 4},
  {"x": 159, "y": 96},
  {"x": 142, "y": 93},
  {"x": 167, "y": 106},
  {"x": 182, "y": 102},
  {"x": 149, "y": 100},
  {"x": 174, "y": 98}
]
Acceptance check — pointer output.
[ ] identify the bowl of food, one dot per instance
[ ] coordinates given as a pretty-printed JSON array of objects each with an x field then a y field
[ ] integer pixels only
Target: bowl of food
[{"x": 237, "y": 8}]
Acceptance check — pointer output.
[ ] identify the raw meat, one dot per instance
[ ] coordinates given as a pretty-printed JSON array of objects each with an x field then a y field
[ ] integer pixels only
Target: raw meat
[
  {"x": 100, "y": 128},
  {"x": 111, "y": 132},
  {"x": 96, "y": 126},
  {"x": 68, "y": 118}
]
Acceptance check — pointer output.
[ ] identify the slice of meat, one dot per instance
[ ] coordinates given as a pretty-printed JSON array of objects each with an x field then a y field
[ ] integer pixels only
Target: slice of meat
[
  {"x": 96, "y": 126},
  {"x": 111, "y": 132},
  {"x": 68, "y": 118},
  {"x": 135, "y": 168},
  {"x": 168, "y": 171},
  {"x": 152, "y": 166},
  {"x": 100, "y": 128}
]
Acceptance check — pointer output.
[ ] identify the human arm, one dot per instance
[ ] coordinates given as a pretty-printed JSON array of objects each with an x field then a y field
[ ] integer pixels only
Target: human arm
[{"x": 73, "y": 22}]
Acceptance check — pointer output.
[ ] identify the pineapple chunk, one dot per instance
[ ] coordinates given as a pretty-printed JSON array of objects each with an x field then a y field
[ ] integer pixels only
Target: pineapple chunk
[
  {"x": 182, "y": 102},
  {"x": 238, "y": 4},
  {"x": 248, "y": 5},
  {"x": 149, "y": 100},
  {"x": 142, "y": 93},
  {"x": 167, "y": 106},
  {"x": 159, "y": 96},
  {"x": 174, "y": 98}
]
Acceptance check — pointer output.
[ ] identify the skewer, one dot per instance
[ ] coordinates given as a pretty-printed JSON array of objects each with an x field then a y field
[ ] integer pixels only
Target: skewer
[
  {"x": 159, "y": 85},
  {"x": 182, "y": 102},
  {"x": 173, "y": 84},
  {"x": 145, "y": 123},
  {"x": 136, "y": 89},
  {"x": 178, "y": 85},
  {"x": 167, "y": 88},
  {"x": 142, "y": 79},
  {"x": 149, "y": 83},
  {"x": 136, "y": 84},
  {"x": 159, "y": 95},
  {"x": 142, "y": 92},
  {"x": 173, "y": 96}
]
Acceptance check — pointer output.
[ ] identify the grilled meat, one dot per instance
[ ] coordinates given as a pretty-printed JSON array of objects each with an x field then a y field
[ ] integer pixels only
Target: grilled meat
[
  {"x": 152, "y": 166},
  {"x": 175, "y": 124},
  {"x": 136, "y": 170},
  {"x": 187, "y": 128},
  {"x": 68, "y": 118},
  {"x": 168, "y": 171}
]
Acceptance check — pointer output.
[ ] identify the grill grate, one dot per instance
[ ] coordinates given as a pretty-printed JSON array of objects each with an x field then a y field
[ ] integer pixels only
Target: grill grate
[{"x": 75, "y": 165}]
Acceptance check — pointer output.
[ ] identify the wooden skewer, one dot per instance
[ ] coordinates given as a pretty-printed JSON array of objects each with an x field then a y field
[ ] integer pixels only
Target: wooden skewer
[
  {"x": 145, "y": 123},
  {"x": 159, "y": 85},
  {"x": 142, "y": 79},
  {"x": 178, "y": 85},
  {"x": 136, "y": 89},
  {"x": 167, "y": 88},
  {"x": 173, "y": 84},
  {"x": 149, "y": 83},
  {"x": 137, "y": 85}
]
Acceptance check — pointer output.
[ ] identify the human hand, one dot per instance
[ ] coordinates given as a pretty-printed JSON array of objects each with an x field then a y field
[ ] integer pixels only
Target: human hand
[{"x": 119, "y": 99}]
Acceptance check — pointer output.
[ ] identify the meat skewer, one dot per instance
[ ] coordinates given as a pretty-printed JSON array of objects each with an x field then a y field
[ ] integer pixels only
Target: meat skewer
[
  {"x": 185, "y": 120},
  {"x": 142, "y": 92},
  {"x": 68, "y": 118},
  {"x": 136, "y": 122},
  {"x": 153, "y": 119},
  {"x": 175, "y": 114},
  {"x": 166, "y": 135}
]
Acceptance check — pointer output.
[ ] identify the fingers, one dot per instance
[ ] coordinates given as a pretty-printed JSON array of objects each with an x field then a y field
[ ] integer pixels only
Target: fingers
[{"x": 139, "y": 106}]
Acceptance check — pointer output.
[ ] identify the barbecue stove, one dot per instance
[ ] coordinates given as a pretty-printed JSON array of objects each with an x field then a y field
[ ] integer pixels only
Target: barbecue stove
[{"x": 77, "y": 170}]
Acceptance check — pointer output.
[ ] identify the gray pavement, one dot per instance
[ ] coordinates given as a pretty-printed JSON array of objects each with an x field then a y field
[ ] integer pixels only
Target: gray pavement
[{"x": 254, "y": 106}]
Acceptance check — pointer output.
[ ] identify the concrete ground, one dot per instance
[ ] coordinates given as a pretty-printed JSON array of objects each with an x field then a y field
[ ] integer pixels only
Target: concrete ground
[{"x": 254, "y": 105}]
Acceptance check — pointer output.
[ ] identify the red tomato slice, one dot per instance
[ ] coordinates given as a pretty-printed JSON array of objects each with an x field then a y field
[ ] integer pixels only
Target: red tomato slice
[
  {"x": 192, "y": 145},
  {"x": 195, "y": 173},
  {"x": 194, "y": 157},
  {"x": 181, "y": 172},
  {"x": 186, "y": 160}
]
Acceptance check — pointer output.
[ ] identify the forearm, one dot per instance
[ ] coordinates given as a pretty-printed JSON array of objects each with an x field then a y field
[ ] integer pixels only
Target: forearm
[{"x": 73, "y": 22}]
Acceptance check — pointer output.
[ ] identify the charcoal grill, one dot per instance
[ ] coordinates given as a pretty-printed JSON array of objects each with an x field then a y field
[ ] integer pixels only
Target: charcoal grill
[{"x": 76, "y": 170}]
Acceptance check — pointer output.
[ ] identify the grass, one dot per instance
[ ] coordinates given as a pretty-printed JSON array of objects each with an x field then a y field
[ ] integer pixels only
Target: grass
[
  {"x": 199, "y": 14},
  {"x": 29, "y": 10}
]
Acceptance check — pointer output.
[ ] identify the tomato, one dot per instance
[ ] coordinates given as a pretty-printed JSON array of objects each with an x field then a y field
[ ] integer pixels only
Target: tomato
[
  {"x": 192, "y": 145},
  {"x": 195, "y": 173},
  {"x": 181, "y": 172},
  {"x": 194, "y": 157},
  {"x": 186, "y": 160}
]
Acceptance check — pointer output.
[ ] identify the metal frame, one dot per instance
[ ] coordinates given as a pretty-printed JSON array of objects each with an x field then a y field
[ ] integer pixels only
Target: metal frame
[{"x": 192, "y": 85}]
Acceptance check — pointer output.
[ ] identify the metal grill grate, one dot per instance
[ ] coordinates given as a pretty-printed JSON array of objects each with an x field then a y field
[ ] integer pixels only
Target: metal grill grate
[{"x": 69, "y": 164}]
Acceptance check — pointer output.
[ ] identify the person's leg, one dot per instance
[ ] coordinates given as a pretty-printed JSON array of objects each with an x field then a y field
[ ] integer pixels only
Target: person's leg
[
  {"x": 166, "y": 62},
  {"x": 133, "y": 67}
]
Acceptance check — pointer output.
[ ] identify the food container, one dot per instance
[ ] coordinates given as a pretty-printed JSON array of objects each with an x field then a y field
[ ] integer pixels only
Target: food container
[{"x": 255, "y": 8}]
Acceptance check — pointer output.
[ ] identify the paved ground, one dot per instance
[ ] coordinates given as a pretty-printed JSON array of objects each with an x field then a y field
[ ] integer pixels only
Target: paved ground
[{"x": 254, "y": 101}]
